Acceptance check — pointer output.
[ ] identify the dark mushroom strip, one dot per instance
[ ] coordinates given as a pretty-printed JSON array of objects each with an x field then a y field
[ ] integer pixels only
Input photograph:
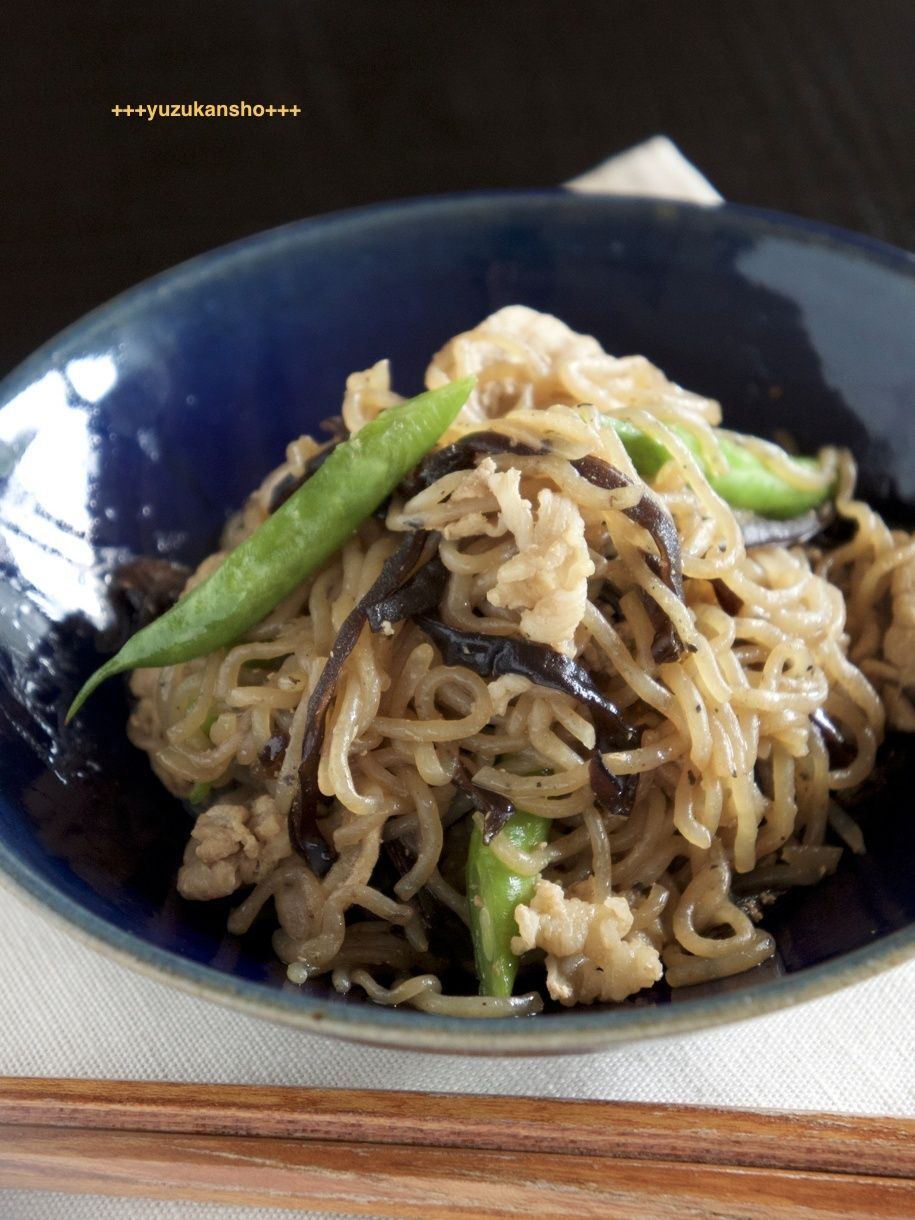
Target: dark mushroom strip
[
  {"x": 288, "y": 485},
  {"x": 271, "y": 754},
  {"x": 335, "y": 428},
  {"x": 615, "y": 793},
  {"x": 462, "y": 455},
  {"x": 400, "y": 858},
  {"x": 651, "y": 515},
  {"x": 666, "y": 645},
  {"x": 727, "y": 599},
  {"x": 496, "y": 809},
  {"x": 422, "y": 592},
  {"x": 609, "y": 595},
  {"x": 291, "y": 483},
  {"x": 491, "y": 656},
  {"x": 303, "y": 815},
  {"x": 448, "y": 935},
  {"x": 842, "y": 752},
  {"x": 790, "y": 531}
]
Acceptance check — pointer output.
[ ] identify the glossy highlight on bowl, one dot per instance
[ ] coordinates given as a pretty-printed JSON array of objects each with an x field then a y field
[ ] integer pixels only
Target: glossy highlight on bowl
[{"x": 142, "y": 427}]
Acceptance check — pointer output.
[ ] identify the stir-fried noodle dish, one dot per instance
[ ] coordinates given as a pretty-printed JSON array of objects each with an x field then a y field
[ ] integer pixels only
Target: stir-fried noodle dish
[{"x": 593, "y": 684}]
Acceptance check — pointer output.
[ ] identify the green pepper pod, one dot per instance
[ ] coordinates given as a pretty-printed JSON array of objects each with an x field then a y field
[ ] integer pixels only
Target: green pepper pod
[
  {"x": 292, "y": 543},
  {"x": 747, "y": 483},
  {"x": 493, "y": 892}
]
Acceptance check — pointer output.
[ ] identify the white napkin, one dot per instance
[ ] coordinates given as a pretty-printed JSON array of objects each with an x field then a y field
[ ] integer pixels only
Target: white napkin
[
  {"x": 655, "y": 167},
  {"x": 65, "y": 1010}
]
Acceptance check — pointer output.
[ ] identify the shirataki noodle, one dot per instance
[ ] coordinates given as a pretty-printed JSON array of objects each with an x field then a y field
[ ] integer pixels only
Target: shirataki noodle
[{"x": 737, "y": 771}]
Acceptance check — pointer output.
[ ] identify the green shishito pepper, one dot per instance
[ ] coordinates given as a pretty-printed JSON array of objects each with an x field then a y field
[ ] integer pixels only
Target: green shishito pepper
[
  {"x": 493, "y": 892},
  {"x": 292, "y": 543},
  {"x": 747, "y": 482}
]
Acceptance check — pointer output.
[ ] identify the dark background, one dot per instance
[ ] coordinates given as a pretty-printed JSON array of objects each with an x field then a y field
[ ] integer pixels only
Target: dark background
[{"x": 803, "y": 105}]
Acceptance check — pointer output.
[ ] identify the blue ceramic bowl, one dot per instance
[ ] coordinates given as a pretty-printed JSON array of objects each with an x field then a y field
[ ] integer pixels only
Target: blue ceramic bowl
[{"x": 140, "y": 428}]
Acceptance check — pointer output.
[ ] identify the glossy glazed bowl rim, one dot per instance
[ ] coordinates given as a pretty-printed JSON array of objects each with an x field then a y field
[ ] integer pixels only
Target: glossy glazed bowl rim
[{"x": 578, "y": 1030}]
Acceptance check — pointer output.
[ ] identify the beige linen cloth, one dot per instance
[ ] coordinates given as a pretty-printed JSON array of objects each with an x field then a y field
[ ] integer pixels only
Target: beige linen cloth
[{"x": 65, "y": 1010}]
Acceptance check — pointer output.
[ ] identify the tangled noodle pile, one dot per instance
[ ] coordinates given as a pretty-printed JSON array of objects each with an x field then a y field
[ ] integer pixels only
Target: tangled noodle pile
[{"x": 732, "y": 690}]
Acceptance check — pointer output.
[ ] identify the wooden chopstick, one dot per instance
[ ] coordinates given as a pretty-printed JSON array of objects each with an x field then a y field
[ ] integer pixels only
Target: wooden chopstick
[{"x": 433, "y": 1155}]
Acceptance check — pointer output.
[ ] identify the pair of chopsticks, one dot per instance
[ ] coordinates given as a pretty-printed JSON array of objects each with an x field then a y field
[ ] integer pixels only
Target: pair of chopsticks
[{"x": 436, "y": 1155}]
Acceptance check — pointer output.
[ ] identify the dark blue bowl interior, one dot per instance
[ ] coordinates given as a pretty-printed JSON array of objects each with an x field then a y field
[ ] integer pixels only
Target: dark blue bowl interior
[{"x": 138, "y": 431}]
